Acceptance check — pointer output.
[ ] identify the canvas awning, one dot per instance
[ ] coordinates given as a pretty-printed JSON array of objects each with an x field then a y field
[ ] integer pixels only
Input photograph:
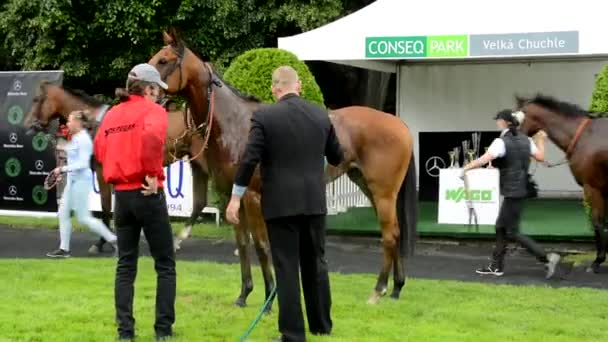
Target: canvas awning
[{"x": 388, "y": 31}]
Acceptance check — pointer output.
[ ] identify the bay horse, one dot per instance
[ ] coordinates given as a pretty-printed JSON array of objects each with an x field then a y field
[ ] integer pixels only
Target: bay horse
[
  {"x": 583, "y": 139},
  {"x": 378, "y": 149},
  {"x": 55, "y": 101}
]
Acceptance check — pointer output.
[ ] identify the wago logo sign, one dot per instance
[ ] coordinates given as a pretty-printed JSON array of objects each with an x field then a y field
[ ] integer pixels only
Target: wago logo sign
[{"x": 460, "y": 194}]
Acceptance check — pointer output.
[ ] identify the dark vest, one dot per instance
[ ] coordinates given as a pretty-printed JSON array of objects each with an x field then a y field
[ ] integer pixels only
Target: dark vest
[{"x": 514, "y": 165}]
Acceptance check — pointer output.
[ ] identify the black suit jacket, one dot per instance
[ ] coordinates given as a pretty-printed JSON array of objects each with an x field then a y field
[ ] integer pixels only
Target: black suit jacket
[{"x": 289, "y": 140}]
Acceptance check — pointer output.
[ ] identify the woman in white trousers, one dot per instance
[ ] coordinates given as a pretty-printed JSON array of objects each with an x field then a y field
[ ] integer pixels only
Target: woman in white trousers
[{"x": 78, "y": 186}]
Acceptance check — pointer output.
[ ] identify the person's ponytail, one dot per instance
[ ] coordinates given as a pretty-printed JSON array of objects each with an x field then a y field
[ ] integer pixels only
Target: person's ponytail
[{"x": 122, "y": 94}]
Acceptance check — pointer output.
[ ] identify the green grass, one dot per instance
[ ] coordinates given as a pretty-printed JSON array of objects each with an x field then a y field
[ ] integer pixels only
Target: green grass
[
  {"x": 72, "y": 300},
  {"x": 202, "y": 230}
]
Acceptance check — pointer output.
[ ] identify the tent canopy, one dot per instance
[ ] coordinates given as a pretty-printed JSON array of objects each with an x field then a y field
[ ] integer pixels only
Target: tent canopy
[{"x": 388, "y": 31}]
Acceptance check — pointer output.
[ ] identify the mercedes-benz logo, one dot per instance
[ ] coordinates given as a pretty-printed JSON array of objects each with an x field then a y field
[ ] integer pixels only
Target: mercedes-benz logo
[
  {"x": 433, "y": 165},
  {"x": 13, "y": 138},
  {"x": 17, "y": 85},
  {"x": 12, "y": 190},
  {"x": 39, "y": 165}
]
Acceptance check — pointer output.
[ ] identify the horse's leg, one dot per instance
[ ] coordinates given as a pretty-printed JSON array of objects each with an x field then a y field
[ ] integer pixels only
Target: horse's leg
[
  {"x": 105, "y": 193},
  {"x": 257, "y": 225},
  {"x": 387, "y": 216},
  {"x": 598, "y": 207},
  {"x": 200, "y": 185},
  {"x": 242, "y": 243}
]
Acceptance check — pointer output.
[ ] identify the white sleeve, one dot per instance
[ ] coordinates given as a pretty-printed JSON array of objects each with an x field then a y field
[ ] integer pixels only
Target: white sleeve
[
  {"x": 533, "y": 148},
  {"x": 497, "y": 148}
]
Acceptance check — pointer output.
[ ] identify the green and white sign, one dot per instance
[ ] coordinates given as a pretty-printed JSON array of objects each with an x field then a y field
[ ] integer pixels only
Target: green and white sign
[
  {"x": 15, "y": 115},
  {"x": 40, "y": 142},
  {"x": 406, "y": 47},
  {"x": 483, "y": 193},
  {"x": 474, "y": 45},
  {"x": 459, "y": 194}
]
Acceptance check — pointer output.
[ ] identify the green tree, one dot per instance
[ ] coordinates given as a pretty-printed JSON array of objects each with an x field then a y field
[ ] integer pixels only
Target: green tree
[
  {"x": 251, "y": 72},
  {"x": 96, "y": 41}
]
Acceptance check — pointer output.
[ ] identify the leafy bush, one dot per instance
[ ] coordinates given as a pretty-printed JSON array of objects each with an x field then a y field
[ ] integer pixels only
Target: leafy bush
[
  {"x": 251, "y": 73},
  {"x": 599, "y": 108}
]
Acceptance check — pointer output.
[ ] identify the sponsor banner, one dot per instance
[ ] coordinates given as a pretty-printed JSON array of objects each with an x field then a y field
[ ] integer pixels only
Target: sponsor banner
[
  {"x": 483, "y": 193},
  {"x": 473, "y": 45},
  {"x": 177, "y": 187},
  {"x": 26, "y": 160}
]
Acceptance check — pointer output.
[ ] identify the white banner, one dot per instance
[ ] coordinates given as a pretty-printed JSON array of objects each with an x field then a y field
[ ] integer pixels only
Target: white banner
[
  {"x": 177, "y": 186},
  {"x": 484, "y": 192}
]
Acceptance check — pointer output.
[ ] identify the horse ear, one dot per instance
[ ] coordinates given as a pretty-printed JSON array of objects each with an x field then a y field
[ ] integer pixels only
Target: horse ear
[
  {"x": 520, "y": 100},
  {"x": 167, "y": 38}
]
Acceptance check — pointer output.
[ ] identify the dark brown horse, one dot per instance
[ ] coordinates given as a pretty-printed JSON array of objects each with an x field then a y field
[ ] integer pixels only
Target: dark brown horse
[
  {"x": 583, "y": 139},
  {"x": 379, "y": 158},
  {"x": 55, "y": 101}
]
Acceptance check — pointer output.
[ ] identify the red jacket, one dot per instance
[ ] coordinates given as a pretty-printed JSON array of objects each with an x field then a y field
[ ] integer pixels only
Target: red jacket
[{"x": 130, "y": 143}]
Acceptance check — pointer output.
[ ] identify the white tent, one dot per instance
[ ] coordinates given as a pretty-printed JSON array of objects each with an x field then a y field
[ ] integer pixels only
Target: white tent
[{"x": 464, "y": 60}]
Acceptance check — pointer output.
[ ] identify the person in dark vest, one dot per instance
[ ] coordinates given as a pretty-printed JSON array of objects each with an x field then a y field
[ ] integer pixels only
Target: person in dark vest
[
  {"x": 289, "y": 139},
  {"x": 510, "y": 153}
]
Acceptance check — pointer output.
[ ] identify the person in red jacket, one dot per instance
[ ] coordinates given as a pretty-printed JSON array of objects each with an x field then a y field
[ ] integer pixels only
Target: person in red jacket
[{"x": 130, "y": 146}]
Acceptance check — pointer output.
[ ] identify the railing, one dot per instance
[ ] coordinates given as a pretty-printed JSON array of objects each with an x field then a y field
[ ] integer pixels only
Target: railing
[{"x": 343, "y": 194}]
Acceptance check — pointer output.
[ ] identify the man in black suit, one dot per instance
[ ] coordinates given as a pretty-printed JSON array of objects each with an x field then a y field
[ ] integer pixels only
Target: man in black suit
[{"x": 290, "y": 139}]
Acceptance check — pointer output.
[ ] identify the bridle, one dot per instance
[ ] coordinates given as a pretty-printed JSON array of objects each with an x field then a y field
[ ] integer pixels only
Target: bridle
[{"x": 191, "y": 127}]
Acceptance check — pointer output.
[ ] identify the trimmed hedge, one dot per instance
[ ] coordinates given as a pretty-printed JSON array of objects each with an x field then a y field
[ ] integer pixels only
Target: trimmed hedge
[
  {"x": 251, "y": 73},
  {"x": 599, "y": 97},
  {"x": 599, "y": 108}
]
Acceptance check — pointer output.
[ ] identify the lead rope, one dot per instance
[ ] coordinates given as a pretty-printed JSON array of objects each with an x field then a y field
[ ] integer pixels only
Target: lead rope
[{"x": 259, "y": 316}]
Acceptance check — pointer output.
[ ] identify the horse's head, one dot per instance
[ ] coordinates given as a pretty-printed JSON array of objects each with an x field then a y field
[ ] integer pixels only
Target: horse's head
[
  {"x": 44, "y": 108},
  {"x": 529, "y": 115},
  {"x": 180, "y": 68},
  {"x": 175, "y": 62}
]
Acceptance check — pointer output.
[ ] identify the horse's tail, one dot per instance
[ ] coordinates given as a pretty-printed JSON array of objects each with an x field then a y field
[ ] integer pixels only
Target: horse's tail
[{"x": 407, "y": 211}]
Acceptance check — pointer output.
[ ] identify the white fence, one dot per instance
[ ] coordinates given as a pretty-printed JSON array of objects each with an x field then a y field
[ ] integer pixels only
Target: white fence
[{"x": 343, "y": 194}]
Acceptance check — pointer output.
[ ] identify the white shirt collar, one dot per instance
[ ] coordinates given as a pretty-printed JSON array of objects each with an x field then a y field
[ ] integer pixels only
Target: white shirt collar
[{"x": 504, "y": 131}]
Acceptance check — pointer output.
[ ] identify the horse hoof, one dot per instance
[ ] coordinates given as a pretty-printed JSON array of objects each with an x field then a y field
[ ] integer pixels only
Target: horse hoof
[
  {"x": 395, "y": 295},
  {"x": 375, "y": 297},
  {"x": 94, "y": 249},
  {"x": 240, "y": 302}
]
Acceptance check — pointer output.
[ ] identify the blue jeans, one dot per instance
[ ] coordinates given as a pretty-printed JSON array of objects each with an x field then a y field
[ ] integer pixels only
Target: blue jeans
[{"x": 76, "y": 197}]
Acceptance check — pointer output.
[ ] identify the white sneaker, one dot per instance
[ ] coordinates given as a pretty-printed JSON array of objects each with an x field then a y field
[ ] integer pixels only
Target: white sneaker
[{"x": 552, "y": 264}]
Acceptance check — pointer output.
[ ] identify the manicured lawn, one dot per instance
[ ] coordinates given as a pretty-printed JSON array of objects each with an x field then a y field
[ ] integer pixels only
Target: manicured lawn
[{"x": 72, "y": 300}]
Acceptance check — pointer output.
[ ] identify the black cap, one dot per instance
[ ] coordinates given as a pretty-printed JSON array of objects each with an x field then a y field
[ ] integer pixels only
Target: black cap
[{"x": 505, "y": 114}]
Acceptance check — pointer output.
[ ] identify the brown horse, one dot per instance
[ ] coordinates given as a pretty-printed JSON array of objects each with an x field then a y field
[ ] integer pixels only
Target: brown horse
[
  {"x": 55, "y": 101},
  {"x": 583, "y": 139},
  {"x": 377, "y": 145}
]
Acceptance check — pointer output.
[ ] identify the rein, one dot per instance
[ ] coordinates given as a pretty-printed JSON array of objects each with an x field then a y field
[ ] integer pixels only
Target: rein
[{"x": 577, "y": 135}]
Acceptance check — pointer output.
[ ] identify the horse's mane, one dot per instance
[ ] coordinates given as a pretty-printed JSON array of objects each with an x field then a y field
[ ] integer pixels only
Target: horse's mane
[
  {"x": 86, "y": 98},
  {"x": 563, "y": 107},
  {"x": 246, "y": 97}
]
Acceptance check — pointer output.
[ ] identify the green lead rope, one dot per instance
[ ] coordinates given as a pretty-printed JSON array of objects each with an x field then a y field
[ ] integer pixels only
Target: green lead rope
[{"x": 257, "y": 319}]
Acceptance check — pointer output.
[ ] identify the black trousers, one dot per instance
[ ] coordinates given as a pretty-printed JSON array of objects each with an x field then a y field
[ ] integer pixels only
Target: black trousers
[
  {"x": 507, "y": 229},
  {"x": 133, "y": 211},
  {"x": 298, "y": 242}
]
